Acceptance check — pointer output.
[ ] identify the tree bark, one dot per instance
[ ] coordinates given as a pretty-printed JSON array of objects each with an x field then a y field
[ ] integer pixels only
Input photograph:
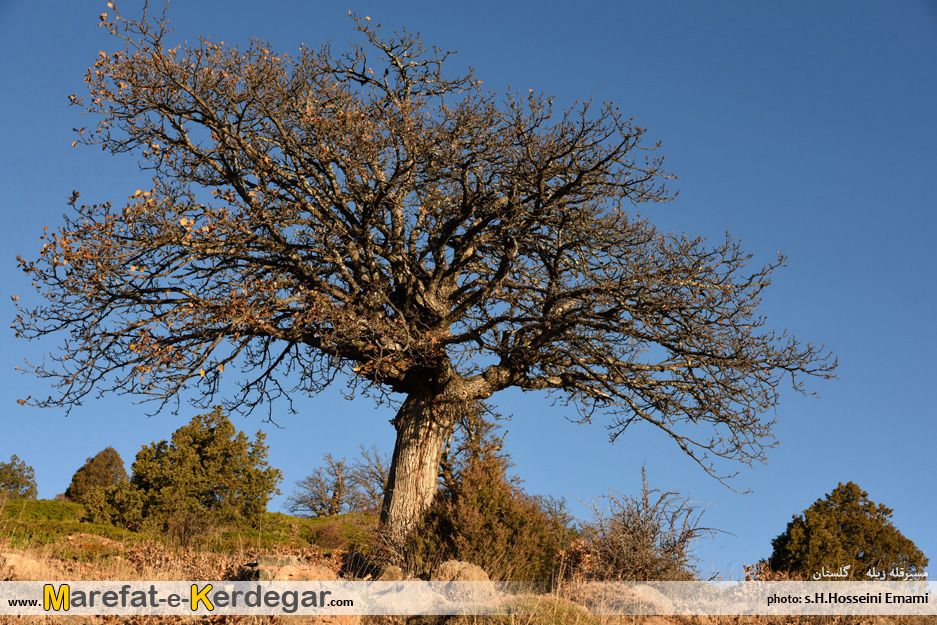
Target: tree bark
[{"x": 424, "y": 423}]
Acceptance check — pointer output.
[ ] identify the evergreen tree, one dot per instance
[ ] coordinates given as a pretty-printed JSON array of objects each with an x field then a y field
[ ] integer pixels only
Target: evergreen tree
[
  {"x": 844, "y": 530},
  {"x": 210, "y": 466},
  {"x": 208, "y": 471},
  {"x": 17, "y": 479},
  {"x": 105, "y": 469}
]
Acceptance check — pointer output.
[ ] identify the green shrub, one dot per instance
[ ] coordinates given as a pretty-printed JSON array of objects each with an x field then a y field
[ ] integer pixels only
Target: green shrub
[
  {"x": 120, "y": 505},
  {"x": 41, "y": 510},
  {"x": 26, "y": 534},
  {"x": 347, "y": 531},
  {"x": 483, "y": 518}
]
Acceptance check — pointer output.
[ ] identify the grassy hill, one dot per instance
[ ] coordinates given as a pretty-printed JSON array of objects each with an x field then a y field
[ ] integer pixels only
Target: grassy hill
[{"x": 35, "y": 523}]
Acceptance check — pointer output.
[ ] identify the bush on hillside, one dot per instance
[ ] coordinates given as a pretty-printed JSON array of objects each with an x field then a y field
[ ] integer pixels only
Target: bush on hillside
[
  {"x": 120, "y": 505},
  {"x": 29, "y": 510},
  {"x": 482, "y": 516}
]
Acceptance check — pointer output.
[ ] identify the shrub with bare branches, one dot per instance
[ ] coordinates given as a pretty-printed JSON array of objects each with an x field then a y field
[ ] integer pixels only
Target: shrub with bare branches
[{"x": 644, "y": 537}]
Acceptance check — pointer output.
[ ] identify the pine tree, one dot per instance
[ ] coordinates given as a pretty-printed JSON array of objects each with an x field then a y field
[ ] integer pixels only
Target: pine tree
[
  {"x": 17, "y": 479},
  {"x": 105, "y": 469},
  {"x": 207, "y": 472},
  {"x": 207, "y": 466},
  {"x": 845, "y": 529}
]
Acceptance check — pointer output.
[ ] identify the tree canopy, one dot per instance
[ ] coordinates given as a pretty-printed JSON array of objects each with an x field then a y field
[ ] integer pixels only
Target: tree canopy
[
  {"x": 17, "y": 479},
  {"x": 368, "y": 213},
  {"x": 845, "y": 529}
]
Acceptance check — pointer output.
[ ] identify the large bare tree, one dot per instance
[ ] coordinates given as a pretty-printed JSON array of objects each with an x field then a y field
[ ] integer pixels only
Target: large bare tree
[{"x": 365, "y": 213}]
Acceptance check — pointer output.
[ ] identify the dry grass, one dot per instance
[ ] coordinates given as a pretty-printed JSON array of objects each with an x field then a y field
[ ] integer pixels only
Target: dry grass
[{"x": 157, "y": 562}]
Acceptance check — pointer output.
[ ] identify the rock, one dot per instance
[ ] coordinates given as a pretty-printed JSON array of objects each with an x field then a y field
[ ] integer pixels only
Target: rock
[
  {"x": 284, "y": 569},
  {"x": 266, "y": 567},
  {"x": 624, "y": 598},
  {"x": 455, "y": 571},
  {"x": 20, "y": 568},
  {"x": 309, "y": 573},
  {"x": 274, "y": 561},
  {"x": 292, "y": 569},
  {"x": 84, "y": 539},
  {"x": 391, "y": 573},
  {"x": 248, "y": 572}
]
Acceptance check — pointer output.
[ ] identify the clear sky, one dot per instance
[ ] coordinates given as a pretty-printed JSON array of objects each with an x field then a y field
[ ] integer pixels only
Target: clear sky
[{"x": 802, "y": 127}]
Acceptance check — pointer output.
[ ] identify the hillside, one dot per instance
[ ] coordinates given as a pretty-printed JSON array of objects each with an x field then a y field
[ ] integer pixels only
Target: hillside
[{"x": 47, "y": 540}]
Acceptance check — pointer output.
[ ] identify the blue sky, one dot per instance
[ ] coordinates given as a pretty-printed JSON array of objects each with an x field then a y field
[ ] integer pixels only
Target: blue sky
[{"x": 801, "y": 127}]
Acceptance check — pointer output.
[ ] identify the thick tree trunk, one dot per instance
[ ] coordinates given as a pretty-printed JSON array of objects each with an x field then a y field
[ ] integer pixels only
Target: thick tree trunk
[{"x": 423, "y": 423}]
